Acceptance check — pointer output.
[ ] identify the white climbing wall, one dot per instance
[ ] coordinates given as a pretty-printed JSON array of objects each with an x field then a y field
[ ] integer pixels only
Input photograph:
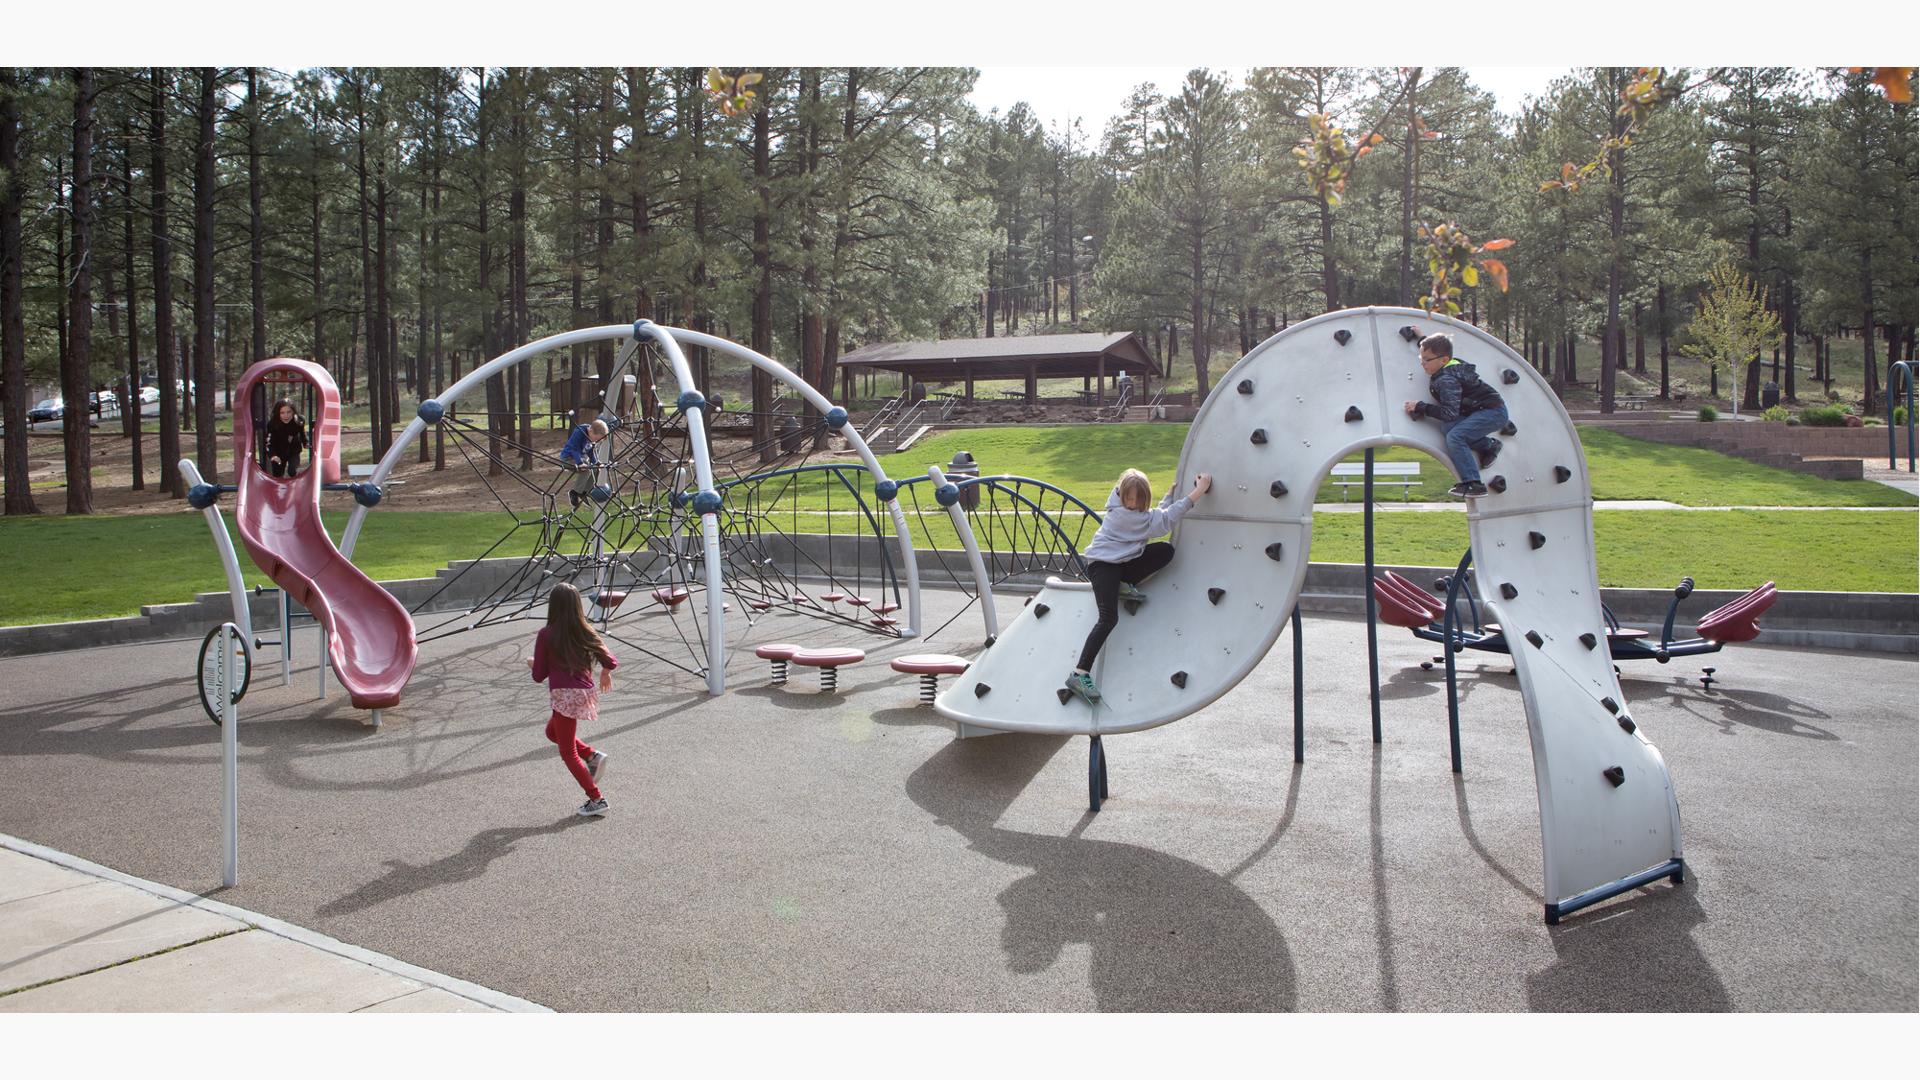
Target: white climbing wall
[{"x": 1314, "y": 398}]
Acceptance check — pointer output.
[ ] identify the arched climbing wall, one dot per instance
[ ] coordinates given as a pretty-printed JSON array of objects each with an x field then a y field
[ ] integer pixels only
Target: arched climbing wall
[{"x": 1271, "y": 431}]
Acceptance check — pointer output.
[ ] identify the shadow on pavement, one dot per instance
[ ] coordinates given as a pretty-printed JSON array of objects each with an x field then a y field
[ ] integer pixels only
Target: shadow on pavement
[
  {"x": 1166, "y": 935},
  {"x": 471, "y": 861},
  {"x": 1633, "y": 955}
]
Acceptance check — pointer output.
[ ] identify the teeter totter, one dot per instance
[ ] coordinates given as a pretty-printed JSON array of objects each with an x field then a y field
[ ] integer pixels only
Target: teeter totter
[{"x": 1405, "y": 604}]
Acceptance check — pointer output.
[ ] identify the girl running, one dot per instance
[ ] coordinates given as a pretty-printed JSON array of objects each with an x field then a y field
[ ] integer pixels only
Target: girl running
[{"x": 564, "y": 653}]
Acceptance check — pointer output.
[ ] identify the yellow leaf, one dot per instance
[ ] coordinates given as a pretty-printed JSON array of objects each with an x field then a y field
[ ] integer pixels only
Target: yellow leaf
[{"x": 1470, "y": 277}]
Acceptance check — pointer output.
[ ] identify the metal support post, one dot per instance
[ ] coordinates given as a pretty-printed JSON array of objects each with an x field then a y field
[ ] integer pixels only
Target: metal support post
[
  {"x": 229, "y": 755},
  {"x": 1299, "y": 691},
  {"x": 286, "y": 640},
  {"x": 1366, "y": 587}
]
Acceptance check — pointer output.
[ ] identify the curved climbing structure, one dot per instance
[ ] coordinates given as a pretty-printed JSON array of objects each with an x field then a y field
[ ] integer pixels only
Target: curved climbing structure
[{"x": 1269, "y": 434}]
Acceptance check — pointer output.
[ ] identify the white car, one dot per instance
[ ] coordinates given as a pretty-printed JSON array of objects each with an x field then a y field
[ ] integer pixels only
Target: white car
[{"x": 149, "y": 395}]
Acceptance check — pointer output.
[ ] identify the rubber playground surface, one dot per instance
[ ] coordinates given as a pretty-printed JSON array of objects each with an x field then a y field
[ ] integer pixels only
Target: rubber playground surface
[{"x": 774, "y": 849}]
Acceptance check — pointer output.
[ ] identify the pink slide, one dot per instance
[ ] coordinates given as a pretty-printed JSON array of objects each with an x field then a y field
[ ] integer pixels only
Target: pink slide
[{"x": 370, "y": 637}]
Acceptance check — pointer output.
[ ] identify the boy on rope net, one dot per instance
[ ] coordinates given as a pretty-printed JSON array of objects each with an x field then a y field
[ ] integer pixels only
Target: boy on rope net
[
  {"x": 1120, "y": 558},
  {"x": 581, "y": 452},
  {"x": 1468, "y": 410}
]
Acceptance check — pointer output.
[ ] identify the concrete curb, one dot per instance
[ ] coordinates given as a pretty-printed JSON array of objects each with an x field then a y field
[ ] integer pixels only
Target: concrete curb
[{"x": 492, "y": 999}]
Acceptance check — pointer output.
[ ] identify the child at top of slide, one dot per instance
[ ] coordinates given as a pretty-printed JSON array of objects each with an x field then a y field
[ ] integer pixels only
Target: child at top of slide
[{"x": 1120, "y": 558}]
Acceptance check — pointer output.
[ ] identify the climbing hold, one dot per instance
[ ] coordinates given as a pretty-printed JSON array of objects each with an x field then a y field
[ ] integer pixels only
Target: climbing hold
[
  {"x": 1534, "y": 638},
  {"x": 1408, "y": 333},
  {"x": 1259, "y": 436},
  {"x": 1509, "y": 376},
  {"x": 1353, "y": 414},
  {"x": 691, "y": 400},
  {"x": 1132, "y": 606},
  {"x": 1343, "y": 336},
  {"x": 836, "y": 418},
  {"x": 1589, "y": 640},
  {"x": 706, "y": 502},
  {"x": 1626, "y": 723},
  {"x": 1538, "y": 540},
  {"x": 1246, "y": 386},
  {"x": 1040, "y": 611},
  {"x": 1273, "y": 551},
  {"x": 1214, "y": 595},
  {"x": 1562, "y": 474},
  {"x": 201, "y": 496},
  {"x": 1064, "y": 694},
  {"x": 1510, "y": 429},
  {"x": 1507, "y": 591},
  {"x": 1609, "y": 704},
  {"x": 1180, "y": 679},
  {"x": 886, "y": 491},
  {"x": 946, "y": 494},
  {"x": 431, "y": 411},
  {"x": 1615, "y": 775},
  {"x": 1277, "y": 489},
  {"x": 365, "y": 494},
  {"x": 1497, "y": 485}
]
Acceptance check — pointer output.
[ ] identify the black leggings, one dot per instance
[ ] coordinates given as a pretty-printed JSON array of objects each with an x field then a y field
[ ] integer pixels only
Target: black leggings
[
  {"x": 289, "y": 467},
  {"x": 1106, "y": 578}
]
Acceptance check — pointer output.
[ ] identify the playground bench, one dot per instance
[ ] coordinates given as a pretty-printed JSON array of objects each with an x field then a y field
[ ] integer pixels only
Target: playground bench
[
  {"x": 1408, "y": 470},
  {"x": 1636, "y": 402}
]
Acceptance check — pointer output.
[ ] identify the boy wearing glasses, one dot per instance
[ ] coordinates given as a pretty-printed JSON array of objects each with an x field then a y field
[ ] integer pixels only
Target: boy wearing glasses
[{"x": 1468, "y": 410}]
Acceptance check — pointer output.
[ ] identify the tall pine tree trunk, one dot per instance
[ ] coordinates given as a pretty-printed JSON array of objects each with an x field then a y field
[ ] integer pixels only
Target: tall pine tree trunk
[
  {"x": 130, "y": 407},
  {"x": 166, "y": 358},
  {"x": 206, "y": 445},
  {"x": 763, "y": 275},
  {"x": 256, "y": 231},
  {"x": 76, "y": 369},
  {"x": 13, "y": 324}
]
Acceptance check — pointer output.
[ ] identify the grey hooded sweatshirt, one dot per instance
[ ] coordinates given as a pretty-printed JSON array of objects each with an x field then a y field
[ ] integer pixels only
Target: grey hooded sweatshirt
[{"x": 1124, "y": 533}]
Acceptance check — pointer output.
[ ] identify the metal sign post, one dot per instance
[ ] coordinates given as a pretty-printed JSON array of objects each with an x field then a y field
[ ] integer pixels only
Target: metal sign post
[{"x": 229, "y": 754}]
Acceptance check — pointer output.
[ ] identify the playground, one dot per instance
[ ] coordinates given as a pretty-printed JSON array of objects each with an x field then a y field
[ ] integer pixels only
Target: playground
[{"x": 858, "y": 842}]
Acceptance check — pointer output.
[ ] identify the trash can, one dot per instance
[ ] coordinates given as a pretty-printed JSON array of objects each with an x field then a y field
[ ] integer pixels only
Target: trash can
[
  {"x": 1770, "y": 395},
  {"x": 791, "y": 440},
  {"x": 960, "y": 468}
]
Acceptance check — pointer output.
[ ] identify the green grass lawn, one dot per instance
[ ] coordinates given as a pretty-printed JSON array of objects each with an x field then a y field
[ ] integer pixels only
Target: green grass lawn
[{"x": 61, "y": 568}]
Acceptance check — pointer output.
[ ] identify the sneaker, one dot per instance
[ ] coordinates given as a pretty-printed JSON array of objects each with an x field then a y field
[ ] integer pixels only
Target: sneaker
[
  {"x": 1468, "y": 491},
  {"x": 593, "y": 808},
  {"x": 1132, "y": 593},
  {"x": 574, "y": 498},
  {"x": 1486, "y": 456},
  {"x": 1083, "y": 688},
  {"x": 596, "y": 763}
]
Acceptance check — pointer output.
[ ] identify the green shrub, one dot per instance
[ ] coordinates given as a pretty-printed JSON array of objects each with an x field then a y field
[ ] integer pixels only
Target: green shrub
[
  {"x": 1793, "y": 421},
  {"x": 1776, "y": 414},
  {"x": 1708, "y": 414},
  {"x": 1900, "y": 416},
  {"x": 1833, "y": 396},
  {"x": 1825, "y": 416}
]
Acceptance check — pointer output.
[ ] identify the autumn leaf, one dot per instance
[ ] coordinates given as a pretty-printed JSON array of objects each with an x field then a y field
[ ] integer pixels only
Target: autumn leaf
[
  {"x": 1470, "y": 277},
  {"x": 1496, "y": 270},
  {"x": 1496, "y": 245},
  {"x": 1896, "y": 82}
]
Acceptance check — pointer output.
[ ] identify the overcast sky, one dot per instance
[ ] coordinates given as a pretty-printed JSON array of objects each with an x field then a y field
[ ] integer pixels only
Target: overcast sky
[{"x": 1095, "y": 94}]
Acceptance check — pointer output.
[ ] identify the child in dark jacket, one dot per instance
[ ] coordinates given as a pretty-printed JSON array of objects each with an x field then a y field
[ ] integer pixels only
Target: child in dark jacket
[
  {"x": 564, "y": 653},
  {"x": 581, "y": 453},
  {"x": 286, "y": 438},
  {"x": 1468, "y": 410}
]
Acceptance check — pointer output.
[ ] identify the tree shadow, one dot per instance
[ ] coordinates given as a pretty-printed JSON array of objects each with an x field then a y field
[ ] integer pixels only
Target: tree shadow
[
  {"x": 1634, "y": 954},
  {"x": 1165, "y": 935},
  {"x": 471, "y": 861}
]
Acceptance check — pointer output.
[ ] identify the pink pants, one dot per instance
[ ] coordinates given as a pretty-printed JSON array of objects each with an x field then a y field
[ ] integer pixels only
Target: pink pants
[{"x": 560, "y": 732}]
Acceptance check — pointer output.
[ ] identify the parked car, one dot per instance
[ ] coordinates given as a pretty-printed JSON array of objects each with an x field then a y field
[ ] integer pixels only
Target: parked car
[
  {"x": 101, "y": 400},
  {"x": 50, "y": 409},
  {"x": 149, "y": 395}
]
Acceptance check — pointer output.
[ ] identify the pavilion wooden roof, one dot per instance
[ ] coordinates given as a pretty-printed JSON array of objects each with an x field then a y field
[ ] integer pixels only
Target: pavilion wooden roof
[{"x": 1049, "y": 356}]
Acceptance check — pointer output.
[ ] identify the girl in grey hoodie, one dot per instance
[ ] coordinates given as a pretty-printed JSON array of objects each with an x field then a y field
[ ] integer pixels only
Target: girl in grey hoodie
[{"x": 1121, "y": 558}]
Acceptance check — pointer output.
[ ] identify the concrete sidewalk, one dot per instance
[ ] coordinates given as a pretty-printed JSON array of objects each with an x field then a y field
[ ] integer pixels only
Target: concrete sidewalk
[{"x": 78, "y": 937}]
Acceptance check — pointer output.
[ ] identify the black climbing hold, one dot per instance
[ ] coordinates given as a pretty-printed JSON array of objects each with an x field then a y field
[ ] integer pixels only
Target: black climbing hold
[
  {"x": 1064, "y": 694},
  {"x": 1510, "y": 429},
  {"x": 1610, "y": 705},
  {"x": 1132, "y": 606},
  {"x": 1408, "y": 333},
  {"x": 980, "y": 689},
  {"x": 1615, "y": 774},
  {"x": 1180, "y": 679},
  {"x": 989, "y": 643},
  {"x": 1040, "y": 611},
  {"x": 1626, "y": 723},
  {"x": 1273, "y": 551},
  {"x": 1214, "y": 595},
  {"x": 1029, "y": 602},
  {"x": 1246, "y": 386},
  {"x": 1343, "y": 336},
  {"x": 1497, "y": 485},
  {"x": 1589, "y": 640},
  {"x": 1507, "y": 591},
  {"x": 1534, "y": 638},
  {"x": 1562, "y": 474},
  {"x": 1353, "y": 414},
  {"x": 1538, "y": 540},
  {"x": 1509, "y": 376},
  {"x": 1277, "y": 489},
  {"x": 1259, "y": 436}
]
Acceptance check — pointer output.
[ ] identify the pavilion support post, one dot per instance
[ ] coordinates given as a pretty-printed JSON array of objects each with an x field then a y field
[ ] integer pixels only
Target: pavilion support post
[
  {"x": 1101, "y": 367},
  {"x": 1033, "y": 383},
  {"x": 969, "y": 387}
]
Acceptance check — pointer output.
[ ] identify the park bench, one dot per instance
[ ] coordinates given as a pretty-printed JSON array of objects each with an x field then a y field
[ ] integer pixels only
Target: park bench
[{"x": 1407, "y": 471}]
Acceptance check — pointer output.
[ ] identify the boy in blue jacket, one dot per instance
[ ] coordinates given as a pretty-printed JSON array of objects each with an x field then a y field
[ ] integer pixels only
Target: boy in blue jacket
[
  {"x": 1468, "y": 410},
  {"x": 580, "y": 452}
]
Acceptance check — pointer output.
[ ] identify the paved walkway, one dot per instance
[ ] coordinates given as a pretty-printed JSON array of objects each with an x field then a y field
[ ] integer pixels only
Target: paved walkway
[
  {"x": 78, "y": 937},
  {"x": 1600, "y": 504}
]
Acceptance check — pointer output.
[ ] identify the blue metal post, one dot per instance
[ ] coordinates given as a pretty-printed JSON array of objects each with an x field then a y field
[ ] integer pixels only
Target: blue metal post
[
  {"x": 1299, "y": 691},
  {"x": 1896, "y": 371},
  {"x": 1373, "y": 632},
  {"x": 1448, "y": 627}
]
